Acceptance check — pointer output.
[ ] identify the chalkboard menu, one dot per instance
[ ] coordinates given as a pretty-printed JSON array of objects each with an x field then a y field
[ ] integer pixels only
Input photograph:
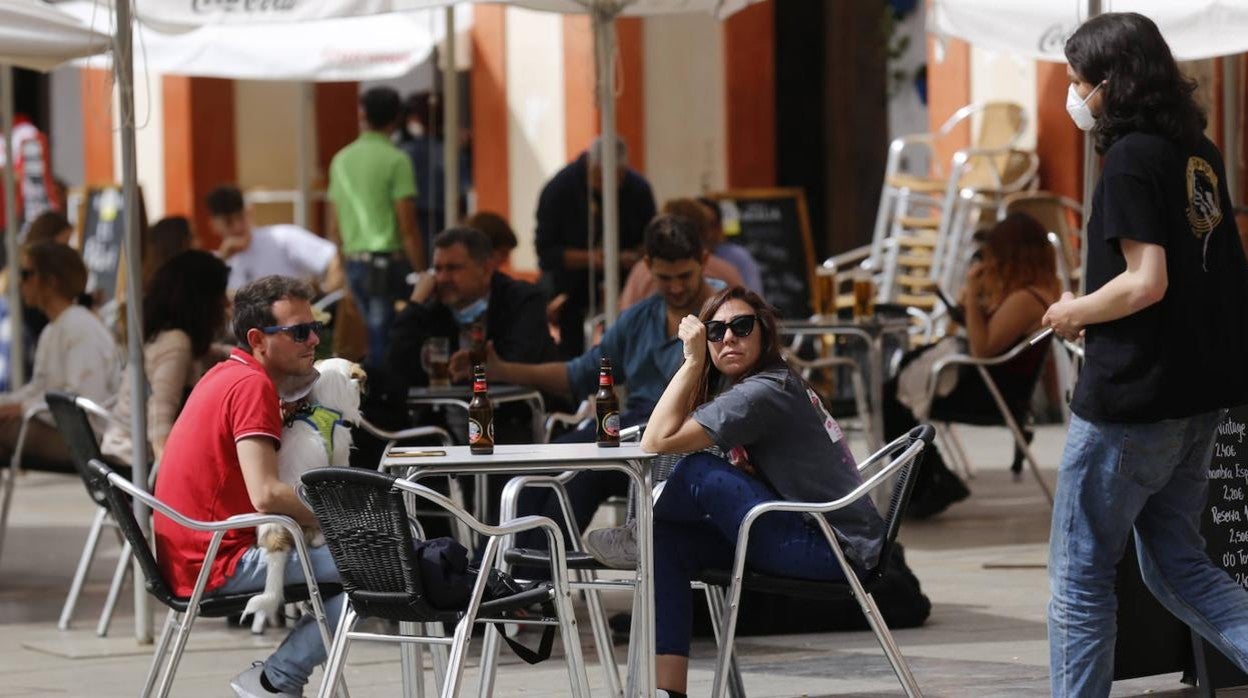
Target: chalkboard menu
[
  {"x": 773, "y": 225},
  {"x": 1224, "y": 524},
  {"x": 103, "y": 238}
]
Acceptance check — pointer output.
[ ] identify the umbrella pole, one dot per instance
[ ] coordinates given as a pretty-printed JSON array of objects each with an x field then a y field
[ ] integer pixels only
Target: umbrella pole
[
  {"x": 123, "y": 63},
  {"x": 17, "y": 350},
  {"x": 1091, "y": 172},
  {"x": 604, "y": 47},
  {"x": 1230, "y": 124},
  {"x": 450, "y": 129},
  {"x": 303, "y": 157}
]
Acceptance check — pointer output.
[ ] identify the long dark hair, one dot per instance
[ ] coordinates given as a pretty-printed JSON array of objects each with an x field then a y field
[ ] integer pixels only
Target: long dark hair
[
  {"x": 188, "y": 294},
  {"x": 711, "y": 379},
  {"x": 1018, "y": 254},
  {"x": 1143, "y": 89}
]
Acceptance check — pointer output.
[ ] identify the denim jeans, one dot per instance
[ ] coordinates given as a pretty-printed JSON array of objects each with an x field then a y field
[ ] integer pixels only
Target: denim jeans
[
  {"x": 696, "y": 519},
  {"x": 289, "y": 667},
  {"x": 1150, "y": 478},
  {"x": 378, "y": 309}
]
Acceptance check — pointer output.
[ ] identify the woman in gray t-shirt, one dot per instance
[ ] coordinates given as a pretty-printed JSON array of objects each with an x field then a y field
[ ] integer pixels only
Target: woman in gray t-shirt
[{"x": 780, "y": 444}]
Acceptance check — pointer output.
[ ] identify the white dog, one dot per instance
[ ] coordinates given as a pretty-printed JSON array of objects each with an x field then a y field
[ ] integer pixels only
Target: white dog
[{"x": 319, "y": 434}]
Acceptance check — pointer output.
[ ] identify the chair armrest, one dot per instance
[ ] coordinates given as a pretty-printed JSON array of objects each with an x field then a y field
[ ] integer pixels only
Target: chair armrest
[
  {"x": 92, "y": 407},
  {"x": 524, "y": 523},
  {"x": 821, "y": 362},
  {"x": 1073, "y": 348},
  {"x": 567, "y": 419},
  {"x": 409, "y": 433},
  {"x": 232, "y": 523},
  {"x": 921, "y": 436}
]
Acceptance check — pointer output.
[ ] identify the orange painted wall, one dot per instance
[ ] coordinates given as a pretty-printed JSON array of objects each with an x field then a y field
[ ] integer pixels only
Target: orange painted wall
[
  {"x": 489, "y": 109},
  {"x": 97, "y": 126},
  {"x": 948, "y": 89},
  {"x": 199, "y": 146},
  {"x": 750, "y": 95},
  {"x": 580, "y": 102},
  {"x": 337, "y": 124},
  {"x": 1059, "y": 143}
]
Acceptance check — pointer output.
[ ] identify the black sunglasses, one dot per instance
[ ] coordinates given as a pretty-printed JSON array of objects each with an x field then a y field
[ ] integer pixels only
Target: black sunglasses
[
  {"x": 741, "y": 326},
  {"x": 300, "y": 333}
]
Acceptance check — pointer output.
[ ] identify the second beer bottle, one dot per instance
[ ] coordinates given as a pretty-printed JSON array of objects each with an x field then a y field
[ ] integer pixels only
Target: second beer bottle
[
  {"x": 608, "y": 407},
  {"x": 480, "y": 415}
]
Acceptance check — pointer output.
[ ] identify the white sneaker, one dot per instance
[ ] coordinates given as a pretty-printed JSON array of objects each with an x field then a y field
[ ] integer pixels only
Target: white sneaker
[{"x": 247, "y": 685}]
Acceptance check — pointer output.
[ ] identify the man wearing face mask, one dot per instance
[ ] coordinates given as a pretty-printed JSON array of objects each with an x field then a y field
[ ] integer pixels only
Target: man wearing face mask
[
  {"x": 1165, "y": 321},
  {"x": 462, "y": 290}
]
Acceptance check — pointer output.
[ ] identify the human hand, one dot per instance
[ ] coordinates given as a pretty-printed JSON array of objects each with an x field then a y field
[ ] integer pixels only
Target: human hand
[
  {"x": 974, "y": 278},
  {"x": 693, "y": 333},
  {"x": 460, "y": 364},
  {"x": 1062, "y": 317},
  {"x": 231, "y": 245},
  {"x": 425, "y": 284},
  {"x": 628, "y": 258}
]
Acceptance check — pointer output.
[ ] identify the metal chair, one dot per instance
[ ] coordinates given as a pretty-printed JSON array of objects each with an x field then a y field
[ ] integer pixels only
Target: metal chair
[
  {"x": 903, "y": 455},
  {"x": 365, "y": 520},
  {"x": 120, "y": 495},
  {"x": 8, "y": 480},
  {"x": 1011, "y": 408},
  {"x": 70, "y": 412}
]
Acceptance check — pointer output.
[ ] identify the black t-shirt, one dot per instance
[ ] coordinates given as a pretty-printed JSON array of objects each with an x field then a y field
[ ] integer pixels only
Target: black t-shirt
[{"x": 1188, "y": 353}]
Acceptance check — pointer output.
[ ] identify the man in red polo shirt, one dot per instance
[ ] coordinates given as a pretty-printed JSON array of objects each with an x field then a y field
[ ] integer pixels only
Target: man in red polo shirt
[{"x": 221, "y": 460}]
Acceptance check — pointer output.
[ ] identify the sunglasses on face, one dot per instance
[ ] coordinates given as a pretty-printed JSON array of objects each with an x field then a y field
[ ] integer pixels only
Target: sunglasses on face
[
  {"x": 300, "y": 333},
  {"x": 27, "y": 273},
  {"x": 741, "y": 326}
]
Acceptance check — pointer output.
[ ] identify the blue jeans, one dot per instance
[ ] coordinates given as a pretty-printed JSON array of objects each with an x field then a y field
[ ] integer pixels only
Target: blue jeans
[
  {"x": 378, "y": 308},
  {"x": 695, "y": 528},
  {"x": 1150, "y": 478},
  {"x": 289, "y": 667}
]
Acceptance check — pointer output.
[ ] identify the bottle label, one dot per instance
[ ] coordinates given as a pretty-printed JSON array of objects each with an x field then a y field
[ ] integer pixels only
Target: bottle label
[
  {"x": 478, "y": 386},
  {"x": 474, "y": 431},
  {"x": 605, "y": 379},
  {"x": 611, "y": 424}
]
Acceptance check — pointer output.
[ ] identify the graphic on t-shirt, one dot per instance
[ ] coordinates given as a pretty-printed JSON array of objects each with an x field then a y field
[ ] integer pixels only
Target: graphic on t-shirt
[{"x": 1204, "y": 210}]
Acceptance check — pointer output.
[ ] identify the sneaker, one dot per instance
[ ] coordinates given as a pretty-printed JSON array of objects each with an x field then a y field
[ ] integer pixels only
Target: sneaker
[
  {"x": 247, "y": 685},
  {"x": 614, "y": 547}
]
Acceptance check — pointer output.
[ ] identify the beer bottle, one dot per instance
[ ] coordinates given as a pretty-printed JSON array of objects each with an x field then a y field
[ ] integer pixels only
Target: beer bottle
[
  {"x": 480, "y": 415},
  {"x": 608, "y": 407}
]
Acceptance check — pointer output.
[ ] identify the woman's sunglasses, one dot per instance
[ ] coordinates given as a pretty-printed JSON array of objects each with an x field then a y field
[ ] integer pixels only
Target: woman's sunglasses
[
  {"x": 300, "y": 333},
  {"x": 741, "y": 326}
]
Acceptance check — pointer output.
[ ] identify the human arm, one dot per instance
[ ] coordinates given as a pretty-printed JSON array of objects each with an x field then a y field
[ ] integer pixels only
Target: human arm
[
  {"x": 409, "y": 231},
  {"x": 167, "y": 365},
  {"x": 1016, "y": 314},
  {"x": 331, "y": 224},
  {"x": 335, "y": 277},
  {"x": 1142, "y": 284},
  {"x": 257, "y": 457},
  {"x": 671, "y": 428},
  {"x": 550, "y": 377}
]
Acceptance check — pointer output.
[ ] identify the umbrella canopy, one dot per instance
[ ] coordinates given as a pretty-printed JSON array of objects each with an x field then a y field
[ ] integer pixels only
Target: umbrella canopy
[
  {"x": 38, "y": 36},
  {"x": 1195, "y": 29},
  {"x": 167, "y": 14},
  {"x": 341, "y": 48}
]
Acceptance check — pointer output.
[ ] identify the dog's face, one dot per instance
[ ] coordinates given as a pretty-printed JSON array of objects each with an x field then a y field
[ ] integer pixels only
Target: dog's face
[{"x": 340, "y": 386}]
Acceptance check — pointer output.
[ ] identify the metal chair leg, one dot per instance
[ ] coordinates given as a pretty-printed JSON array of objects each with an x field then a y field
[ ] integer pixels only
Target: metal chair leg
[
  {"x": 179, "y": 646},
  {"x": 885, "y": 637},
  {"x": 337, "y": 652},
  {"x": 602, "y": 637},
  {"x": 8, "y": 480},
  {"x": 158, "y": 657},
  {"x": 952, "y": 447},
  {"x": 409, "y": 656},
  {"x": 84, "y": 566},
  {"x": 114, "y": 589},
  {"x": 715, "y": 607}
]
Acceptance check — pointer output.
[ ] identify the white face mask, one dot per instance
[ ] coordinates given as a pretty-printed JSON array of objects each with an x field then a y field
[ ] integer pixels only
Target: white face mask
[{"x": 1078, "y": 108}]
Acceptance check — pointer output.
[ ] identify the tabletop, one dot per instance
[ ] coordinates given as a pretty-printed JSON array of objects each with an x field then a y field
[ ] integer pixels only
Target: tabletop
[
  {"x": 464, "y": 392},
  {"x": 515, "y": 454}
]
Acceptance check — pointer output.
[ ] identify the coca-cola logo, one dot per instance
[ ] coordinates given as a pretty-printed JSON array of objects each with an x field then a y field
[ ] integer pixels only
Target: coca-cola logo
[
  {"x": 359, "y": 58},
  {"x": 246, "y": 6},
  {"x": 1053, "y": 40}
]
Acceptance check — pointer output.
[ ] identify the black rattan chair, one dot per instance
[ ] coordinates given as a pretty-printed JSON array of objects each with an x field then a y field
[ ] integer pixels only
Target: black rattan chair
[
  {"x": 119, "y": 495},
  {"x": 70, "y": 414},
  {"x": 365, "y": 520}
]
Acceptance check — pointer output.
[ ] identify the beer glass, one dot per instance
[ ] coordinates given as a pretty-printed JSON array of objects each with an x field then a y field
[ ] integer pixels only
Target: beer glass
[
  {"x": 864, "y": 295},
  {"x": 436, "y": 354}
]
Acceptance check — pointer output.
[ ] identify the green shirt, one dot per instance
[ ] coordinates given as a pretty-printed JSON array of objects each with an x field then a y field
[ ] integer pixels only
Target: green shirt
[{"x": 365, "y": 179}]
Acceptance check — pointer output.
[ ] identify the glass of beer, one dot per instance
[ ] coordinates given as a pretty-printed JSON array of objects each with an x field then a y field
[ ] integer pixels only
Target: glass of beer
[
  {"x": 864, "y": 295},
  {"x": 437, "y": 358}
]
